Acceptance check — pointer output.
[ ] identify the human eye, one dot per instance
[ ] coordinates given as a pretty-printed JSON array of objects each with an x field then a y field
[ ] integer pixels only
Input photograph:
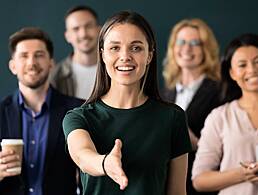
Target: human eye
[
  {"x": 242, "y": 65},
  {"x": 39, "y": 55},
  {"x": 90, "y": 26},
  {"x": 180, "y": 42},
  {"x": 114, "y": 48},
  {"x": 195, "y": 42},
  {"x": 23, "y": 55},
  {"x": 75, "y": 29},
  {"x": 136, "y": 48}
]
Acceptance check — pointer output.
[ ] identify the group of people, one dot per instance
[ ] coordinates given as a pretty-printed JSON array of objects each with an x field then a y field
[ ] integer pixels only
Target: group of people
[{"x": 100, "y": 110}]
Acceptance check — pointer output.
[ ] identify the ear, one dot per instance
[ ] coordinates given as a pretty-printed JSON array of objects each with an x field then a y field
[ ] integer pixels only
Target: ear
[
  {"x": 150, "y": 57},
  {"x": 99, "y": 28},
  {"x": 102, "y": 54},
  {"x": 67, "y": 36},
  {"x": 12, "y": 67},
  {"x": 52, "y": 63},
  {"x": 231, "y": 73}
]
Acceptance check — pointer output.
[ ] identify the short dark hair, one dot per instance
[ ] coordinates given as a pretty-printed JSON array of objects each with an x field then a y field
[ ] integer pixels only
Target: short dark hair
[
  {"x": 103, "y": 81},
  {"x": 30, "y": 33},
  {"x": 81, "y": 8},
  {"x": 230, "y": 89}
]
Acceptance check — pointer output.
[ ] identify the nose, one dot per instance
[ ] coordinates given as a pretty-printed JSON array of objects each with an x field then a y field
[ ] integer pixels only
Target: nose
[
  {"x": 252, "y": 67},
  {"x": 125, "y": 55},
  {"x": 31, "y": 60},
  {"x": 83, "y": 32},
  {"x": 186, "y": 47}
]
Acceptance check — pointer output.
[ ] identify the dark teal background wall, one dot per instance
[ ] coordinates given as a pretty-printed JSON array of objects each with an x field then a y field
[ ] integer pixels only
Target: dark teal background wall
[{"x": 228, "y": 18}]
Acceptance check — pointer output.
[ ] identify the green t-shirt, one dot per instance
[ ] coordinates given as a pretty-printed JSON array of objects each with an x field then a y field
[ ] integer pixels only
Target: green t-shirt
[{"x": 152, "y": 134}]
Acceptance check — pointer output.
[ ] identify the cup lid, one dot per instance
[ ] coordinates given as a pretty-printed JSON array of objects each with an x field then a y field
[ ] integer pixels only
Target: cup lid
[{"x": 12, "y": 141}]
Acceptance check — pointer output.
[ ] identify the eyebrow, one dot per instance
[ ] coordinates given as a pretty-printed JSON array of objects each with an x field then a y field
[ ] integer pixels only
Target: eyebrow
[
  {"x": 256, "y": 57},
  {"x": 37, "y": 51},
  {"x": 133, "y": 42}
]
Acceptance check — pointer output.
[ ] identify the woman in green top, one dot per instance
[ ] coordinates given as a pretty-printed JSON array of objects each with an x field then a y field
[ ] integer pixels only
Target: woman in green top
[{"x": 125, "y": 108}]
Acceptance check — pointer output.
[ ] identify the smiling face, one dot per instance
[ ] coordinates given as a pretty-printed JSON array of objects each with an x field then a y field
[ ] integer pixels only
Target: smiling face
[
  {"x": 82, "y": 31},
  {"x": 188, "y": 50},
  {"x": 31, "y": 63},
  {"x": 244, "y": 68},
  {"x": 126, "y": 54}
]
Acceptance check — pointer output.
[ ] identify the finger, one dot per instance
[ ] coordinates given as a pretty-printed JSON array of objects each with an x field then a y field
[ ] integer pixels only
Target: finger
[
  {"x": 9, "y": 174},
  {"x": 124, "y": 182},
  {"x": 6, "y": 153},
  {"x": 122, "y": 179},
  {"x": 117, "y": 147},
  {"x": 9, "y": 158}
]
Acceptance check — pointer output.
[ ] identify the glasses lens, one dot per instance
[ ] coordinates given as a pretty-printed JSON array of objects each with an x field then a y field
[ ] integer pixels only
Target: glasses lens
[
  {"x": 194, "y": 42},
  {"x": 180, "y": 42}
]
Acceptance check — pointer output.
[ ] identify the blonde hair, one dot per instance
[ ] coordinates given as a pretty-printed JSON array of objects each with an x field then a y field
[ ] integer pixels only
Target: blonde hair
[{"x": 210, "y": 65}]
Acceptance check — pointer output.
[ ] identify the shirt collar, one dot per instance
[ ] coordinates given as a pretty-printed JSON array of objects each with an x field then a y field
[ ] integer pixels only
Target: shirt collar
[
  {"x": 192, "y": 86},
  {"x": 22, "y": 103}
]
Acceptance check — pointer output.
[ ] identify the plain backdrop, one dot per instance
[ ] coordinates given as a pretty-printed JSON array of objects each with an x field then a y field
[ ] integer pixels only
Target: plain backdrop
[{"x": 227, "y": 18}]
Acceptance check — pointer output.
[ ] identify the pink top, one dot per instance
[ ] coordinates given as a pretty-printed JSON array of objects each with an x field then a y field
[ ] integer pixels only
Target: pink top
[{"x": 228, "y": 138}]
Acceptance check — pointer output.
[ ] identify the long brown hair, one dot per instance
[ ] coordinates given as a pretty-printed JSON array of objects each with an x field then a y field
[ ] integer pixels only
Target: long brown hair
[{"x": 103, "y": 81}]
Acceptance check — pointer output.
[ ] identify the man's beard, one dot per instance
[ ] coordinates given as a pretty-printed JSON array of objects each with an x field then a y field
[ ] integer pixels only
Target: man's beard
[
  {"x": 35, "y": 84},
  {"x": 91, "y": 49}
]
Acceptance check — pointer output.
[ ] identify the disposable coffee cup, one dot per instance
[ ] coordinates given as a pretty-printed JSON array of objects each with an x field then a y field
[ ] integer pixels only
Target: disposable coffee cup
[{"x": 17, "y": 146}]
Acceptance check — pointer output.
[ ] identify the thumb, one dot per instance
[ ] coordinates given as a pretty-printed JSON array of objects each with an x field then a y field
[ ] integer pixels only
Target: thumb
[{"x": 117, "y": 147}]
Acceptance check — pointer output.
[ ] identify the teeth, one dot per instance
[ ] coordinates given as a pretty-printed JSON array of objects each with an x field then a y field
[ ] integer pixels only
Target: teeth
[
  {"x": 125, "y": 68},
  {"x": 252, "y": 79},
  {"x": 187, "y": 57}
]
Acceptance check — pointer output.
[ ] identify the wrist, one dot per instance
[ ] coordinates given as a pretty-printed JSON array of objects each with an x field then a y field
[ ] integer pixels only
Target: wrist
[{"x": 103, "y": 164}]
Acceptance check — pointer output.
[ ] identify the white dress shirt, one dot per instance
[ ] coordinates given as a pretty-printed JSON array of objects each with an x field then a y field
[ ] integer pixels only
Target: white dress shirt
[{"x": 184, "y": 94}]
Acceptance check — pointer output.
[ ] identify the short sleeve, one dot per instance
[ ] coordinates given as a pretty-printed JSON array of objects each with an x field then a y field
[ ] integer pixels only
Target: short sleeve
[
  {"x": 74, "y": 119},
  {"x": 181, "y": 143}
]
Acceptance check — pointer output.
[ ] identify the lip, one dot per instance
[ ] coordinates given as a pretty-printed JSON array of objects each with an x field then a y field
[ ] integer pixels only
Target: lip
[
  {"x": 186, "y": 57},
  {"x": 252, "y": 78},
  {"x": 33, "y": 72},
  {"x": 125, "y": 68}
]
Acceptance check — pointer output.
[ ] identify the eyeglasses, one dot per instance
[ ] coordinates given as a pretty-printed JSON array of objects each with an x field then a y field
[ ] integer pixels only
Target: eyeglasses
[{"x": 191, "y": 43}]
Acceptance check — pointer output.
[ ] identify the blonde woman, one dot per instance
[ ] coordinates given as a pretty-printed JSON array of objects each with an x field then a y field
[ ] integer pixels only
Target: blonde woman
[{"x": 191, "y": 72}]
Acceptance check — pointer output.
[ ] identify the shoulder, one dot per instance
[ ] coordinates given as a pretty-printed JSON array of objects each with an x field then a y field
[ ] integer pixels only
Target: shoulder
[
  {"x": 67, "y": 61},
  {"x": 210, "y": 85},
  {"x": 169, "y": 108},
  {"x": 62, "y": 68},
  {"x": 65, "y": 100},
  {"x": 223, "y": 112},
  {"x": 168, "y": 94},
  {"x": 8, "y": 100}
]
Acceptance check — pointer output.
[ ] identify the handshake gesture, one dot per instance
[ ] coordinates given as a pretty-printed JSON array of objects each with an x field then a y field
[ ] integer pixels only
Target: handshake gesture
[{"x": 112, "y": 165}]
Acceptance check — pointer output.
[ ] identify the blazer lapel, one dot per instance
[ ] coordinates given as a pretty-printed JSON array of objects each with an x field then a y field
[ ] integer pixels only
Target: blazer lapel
[
  {"x": 14, "y": 118},
  {"x": 199, "y": 93}
]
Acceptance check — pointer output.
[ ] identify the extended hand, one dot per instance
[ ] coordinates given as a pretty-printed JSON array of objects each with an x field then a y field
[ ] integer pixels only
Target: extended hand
[{"x": 113, "y": 165}]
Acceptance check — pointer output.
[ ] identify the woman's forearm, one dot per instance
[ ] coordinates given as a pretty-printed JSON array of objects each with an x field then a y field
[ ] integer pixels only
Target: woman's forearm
[
  {"x": 84, "y": 153},
  {"x": 215, "y": 180}
]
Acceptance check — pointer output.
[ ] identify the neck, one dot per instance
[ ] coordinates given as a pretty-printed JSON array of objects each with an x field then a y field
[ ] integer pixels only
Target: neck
[
  {"x": 190, "y": 75},
  {"x": 34, "y": 98},
  {"x": 249, "y": 100},
  {"x": 124, "y": 97},
  {"x": 85, "y": 59}
]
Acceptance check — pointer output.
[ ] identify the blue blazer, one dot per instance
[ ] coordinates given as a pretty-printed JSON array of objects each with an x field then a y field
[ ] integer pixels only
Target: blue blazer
[{"x": 59, "y": 170}]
